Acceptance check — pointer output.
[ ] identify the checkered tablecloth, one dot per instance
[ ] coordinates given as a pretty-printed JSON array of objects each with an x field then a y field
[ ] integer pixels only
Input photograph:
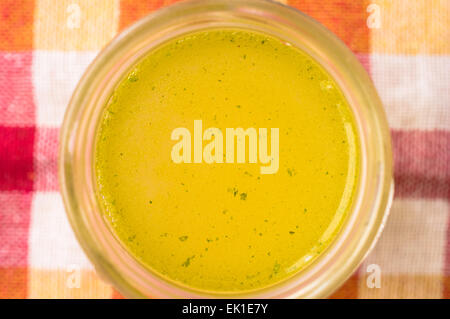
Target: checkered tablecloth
[{"x": 46, "y": 45}]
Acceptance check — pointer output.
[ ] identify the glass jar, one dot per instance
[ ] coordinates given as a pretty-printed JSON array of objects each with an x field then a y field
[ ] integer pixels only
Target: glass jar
[{"x": 374, "y": 193}]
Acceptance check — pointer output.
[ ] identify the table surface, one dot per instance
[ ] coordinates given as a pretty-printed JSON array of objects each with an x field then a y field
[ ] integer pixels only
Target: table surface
[{"x": 46, "y": 45}]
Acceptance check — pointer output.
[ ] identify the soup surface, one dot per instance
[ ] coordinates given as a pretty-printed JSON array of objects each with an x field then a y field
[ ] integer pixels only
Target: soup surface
[{"x": 207, "y": 214}]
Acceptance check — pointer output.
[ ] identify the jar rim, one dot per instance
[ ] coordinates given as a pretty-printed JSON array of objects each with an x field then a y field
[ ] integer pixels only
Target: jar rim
[{"x": 371, "y": 205}]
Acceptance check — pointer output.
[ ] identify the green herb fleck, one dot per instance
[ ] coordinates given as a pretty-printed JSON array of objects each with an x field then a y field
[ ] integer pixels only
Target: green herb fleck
[
  {"x": 291, "y": 172},
  {"x": 276, "y": 268},
  {"x": 187, "y": 262},
  {"x": 133, "y": 77},
  {"x": 183, "y": 238},
  {"x": 233, "y": 191}
]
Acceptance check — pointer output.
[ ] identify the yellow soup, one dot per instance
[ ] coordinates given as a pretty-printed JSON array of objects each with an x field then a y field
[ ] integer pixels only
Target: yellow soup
[{"x": 227, "y": 160}]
